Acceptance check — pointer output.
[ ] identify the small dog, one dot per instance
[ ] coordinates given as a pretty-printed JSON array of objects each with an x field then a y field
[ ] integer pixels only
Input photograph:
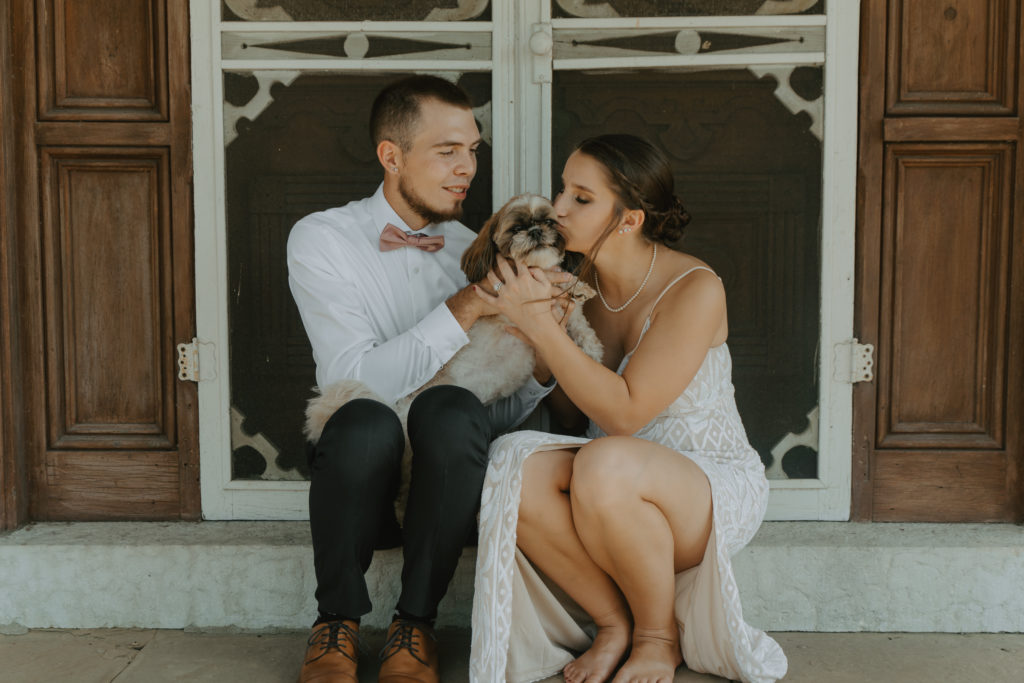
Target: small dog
[{"x": 494, "y": 364}]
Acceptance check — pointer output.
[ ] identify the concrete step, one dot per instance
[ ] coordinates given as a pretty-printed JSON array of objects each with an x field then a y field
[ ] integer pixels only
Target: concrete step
[
  {"x": 148, "y": 656},
  {"x": 794, "y": 576}
]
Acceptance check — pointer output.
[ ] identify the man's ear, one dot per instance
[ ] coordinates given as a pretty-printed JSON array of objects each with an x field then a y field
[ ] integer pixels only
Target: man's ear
[{"x": 390, "y": 156}]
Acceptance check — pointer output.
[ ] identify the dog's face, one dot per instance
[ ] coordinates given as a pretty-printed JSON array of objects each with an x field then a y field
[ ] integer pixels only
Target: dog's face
[{"x": 525, "y": 228}]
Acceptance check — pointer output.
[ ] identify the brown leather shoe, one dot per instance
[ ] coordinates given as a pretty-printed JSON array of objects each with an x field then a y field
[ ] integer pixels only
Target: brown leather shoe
[
  {"x": 409, "y": 654},
  {"x": 331, "y": 653}
]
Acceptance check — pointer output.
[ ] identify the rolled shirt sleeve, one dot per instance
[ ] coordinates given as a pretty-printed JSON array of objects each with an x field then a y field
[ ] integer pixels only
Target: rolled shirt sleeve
[
  {"x": 404, "y": 363},
  {"x": 509, "y": 412}
]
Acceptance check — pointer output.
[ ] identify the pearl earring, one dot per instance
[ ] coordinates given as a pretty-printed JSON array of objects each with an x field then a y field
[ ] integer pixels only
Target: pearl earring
[{"x": 623, "y": 231}]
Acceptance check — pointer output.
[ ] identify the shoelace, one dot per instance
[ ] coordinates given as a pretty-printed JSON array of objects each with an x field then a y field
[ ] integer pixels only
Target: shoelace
[
  {"x": 405, "y": 637},
  {"x": 331, "y": 636}
]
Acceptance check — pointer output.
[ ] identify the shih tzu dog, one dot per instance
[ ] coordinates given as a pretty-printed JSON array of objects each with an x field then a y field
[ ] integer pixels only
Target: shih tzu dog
[{"x": 494, "y": 364}]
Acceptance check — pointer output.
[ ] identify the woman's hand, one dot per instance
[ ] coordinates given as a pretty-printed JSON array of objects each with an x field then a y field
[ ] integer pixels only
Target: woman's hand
[{"x": 525, "y": 295}]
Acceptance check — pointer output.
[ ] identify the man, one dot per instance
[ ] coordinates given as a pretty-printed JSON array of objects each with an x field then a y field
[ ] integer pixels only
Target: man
[{"x": 378, "y": 285}]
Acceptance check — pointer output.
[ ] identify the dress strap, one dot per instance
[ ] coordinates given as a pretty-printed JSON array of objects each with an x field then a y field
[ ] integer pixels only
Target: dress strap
[
  {"x": 647, "y": 323},
  {"x": 677, "y": 279}
]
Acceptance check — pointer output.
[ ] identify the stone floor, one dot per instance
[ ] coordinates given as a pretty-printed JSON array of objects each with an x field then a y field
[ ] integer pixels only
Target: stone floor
[{"x": 159, "y": 656}]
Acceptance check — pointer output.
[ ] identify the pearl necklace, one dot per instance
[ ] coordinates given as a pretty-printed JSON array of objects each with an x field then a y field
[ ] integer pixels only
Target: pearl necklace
[{"x": 643, "y": 284}]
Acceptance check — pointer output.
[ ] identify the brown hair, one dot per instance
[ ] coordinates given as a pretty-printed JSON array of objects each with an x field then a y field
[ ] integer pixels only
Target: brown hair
[
  {"x": 641, "y": 177},
  {"x": 396, "y": 110}
]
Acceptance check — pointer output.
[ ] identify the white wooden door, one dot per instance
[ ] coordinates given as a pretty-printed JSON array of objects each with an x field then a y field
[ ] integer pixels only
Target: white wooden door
[{"x": 734, "y": 91}]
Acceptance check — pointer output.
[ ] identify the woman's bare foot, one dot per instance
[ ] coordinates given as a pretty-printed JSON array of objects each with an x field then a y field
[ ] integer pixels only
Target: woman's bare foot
[
  {"x": 599, "y": 661},
  {"x": 654, "y": 658}
]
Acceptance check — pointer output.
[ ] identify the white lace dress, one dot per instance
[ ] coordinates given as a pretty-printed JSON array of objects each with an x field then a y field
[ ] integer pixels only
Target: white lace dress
[{"x": 526, "y": 629}]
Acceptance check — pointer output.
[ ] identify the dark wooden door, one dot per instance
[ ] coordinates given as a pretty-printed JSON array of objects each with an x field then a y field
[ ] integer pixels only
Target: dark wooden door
[
  {"x": 940, "y": 276},
  {"x": 104, "y": 257}
]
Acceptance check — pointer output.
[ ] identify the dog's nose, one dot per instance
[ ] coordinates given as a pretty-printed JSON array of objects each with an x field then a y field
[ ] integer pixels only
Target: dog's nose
[{"x": 536, "y": 232}]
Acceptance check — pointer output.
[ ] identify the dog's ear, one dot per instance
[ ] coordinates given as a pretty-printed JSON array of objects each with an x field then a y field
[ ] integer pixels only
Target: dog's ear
[
  {"x": 572, "y": 262},
  {"x": 482, "y": 255}
]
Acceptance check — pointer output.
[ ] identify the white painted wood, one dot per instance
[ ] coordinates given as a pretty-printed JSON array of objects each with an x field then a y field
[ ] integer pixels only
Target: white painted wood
[
  {"x": 832, "y": 500},
  {"x": 378, "y": 64},
  {"x": 211, "y": 258},
  {"x": 700, "y": 60},
  {"x": 504, "y": 137},
  {"x": 838, "y": 247},
  {"x": 347, "y": 26},
  {"x": 694, "y": 22},
  {"x": 533, "y": 100}
]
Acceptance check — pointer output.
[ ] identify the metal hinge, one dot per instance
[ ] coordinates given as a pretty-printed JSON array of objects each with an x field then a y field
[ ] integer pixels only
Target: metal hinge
[
  {"x": 854, "y": 362},
  {"x": 196, "y": 361}
]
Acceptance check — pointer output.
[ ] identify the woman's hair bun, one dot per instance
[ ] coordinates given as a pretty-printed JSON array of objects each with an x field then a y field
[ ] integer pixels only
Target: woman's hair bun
[{"x": 666, "y": 226}]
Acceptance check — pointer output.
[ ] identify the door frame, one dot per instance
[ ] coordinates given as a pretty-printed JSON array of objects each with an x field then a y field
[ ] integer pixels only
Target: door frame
[
  {"x": 521, "y": 162},
  {"x": 13, "y": 472}
]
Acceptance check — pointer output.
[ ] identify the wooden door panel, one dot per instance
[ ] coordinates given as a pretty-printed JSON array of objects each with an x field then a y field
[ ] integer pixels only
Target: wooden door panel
[
  {"x": 940, "y": 284},
  {"x": 952, "y": 57},
  {"x": 103, "y": 252},
  {"x": 930, "y": 486},
  {"x": 108, "y": 301},
  {"x": 113, "y": 484},
  {"x": 944, "y": 305},
  {"x": 102, "y": 59}
]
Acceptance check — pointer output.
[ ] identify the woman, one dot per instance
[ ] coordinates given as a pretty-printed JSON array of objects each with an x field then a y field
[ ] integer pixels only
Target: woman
[{"x": 636, "y": 523}]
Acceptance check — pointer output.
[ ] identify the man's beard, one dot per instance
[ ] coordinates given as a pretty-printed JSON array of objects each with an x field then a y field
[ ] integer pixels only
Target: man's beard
[{"x": 422, "y": 210}]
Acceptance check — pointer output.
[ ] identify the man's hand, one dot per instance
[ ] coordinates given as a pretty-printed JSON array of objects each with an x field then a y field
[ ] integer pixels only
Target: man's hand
[{"x": 467, "y": 307}]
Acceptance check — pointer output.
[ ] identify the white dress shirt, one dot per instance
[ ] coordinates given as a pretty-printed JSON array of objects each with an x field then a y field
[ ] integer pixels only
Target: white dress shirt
[{"x": 380, "y": 317}]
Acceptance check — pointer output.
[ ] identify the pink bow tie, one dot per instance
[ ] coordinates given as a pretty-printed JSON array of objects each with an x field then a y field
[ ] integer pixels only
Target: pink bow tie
[{"x": 395, "y": 238}]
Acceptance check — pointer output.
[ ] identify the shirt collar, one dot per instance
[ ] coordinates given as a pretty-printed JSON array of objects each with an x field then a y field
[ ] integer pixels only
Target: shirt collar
[{"x": 382, "y": 213}]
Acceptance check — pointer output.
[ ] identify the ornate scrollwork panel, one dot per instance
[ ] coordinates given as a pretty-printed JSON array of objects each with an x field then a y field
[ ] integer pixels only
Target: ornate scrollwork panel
[
  {"x": 311, "y": 45},
  {"x": 593, "y": 9},
  {"x": 593, "y": 43},
  {"x": 354, "y": 10}
]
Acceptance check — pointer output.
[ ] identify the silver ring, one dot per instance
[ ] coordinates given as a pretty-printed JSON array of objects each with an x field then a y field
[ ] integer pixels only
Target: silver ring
[{"x": 497, "y": 287}]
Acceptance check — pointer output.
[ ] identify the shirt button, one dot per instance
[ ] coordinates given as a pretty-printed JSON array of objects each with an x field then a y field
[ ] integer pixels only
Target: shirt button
[{"x": 416, "y": 270}]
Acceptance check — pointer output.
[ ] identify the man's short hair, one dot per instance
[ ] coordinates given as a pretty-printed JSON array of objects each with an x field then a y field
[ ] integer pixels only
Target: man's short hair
[{"x": 396, "y": 110}]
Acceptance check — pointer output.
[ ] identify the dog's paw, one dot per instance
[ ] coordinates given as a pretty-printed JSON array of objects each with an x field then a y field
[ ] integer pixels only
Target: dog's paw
[{"x": 581, "y": 292}]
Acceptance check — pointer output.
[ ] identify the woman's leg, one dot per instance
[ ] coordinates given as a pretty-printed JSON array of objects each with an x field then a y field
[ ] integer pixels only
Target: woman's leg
[
  {"x": 643, "y": 513},
  {"x": 547, "y": 536}
]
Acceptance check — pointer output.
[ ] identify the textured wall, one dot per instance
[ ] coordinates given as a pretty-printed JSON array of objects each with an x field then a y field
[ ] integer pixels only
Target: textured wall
[{"x": 795, "y": 576}]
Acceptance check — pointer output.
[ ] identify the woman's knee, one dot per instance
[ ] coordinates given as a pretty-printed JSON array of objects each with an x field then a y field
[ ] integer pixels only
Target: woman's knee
[{"x": 603, "y": 471}]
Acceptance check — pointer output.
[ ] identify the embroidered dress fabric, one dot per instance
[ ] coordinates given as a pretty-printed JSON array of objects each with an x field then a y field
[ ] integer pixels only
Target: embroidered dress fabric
[{"x": 526, "y": 629}]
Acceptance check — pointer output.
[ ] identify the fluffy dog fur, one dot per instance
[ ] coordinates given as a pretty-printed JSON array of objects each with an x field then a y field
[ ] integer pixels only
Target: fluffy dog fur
[{"x": 494, "y": 363}]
